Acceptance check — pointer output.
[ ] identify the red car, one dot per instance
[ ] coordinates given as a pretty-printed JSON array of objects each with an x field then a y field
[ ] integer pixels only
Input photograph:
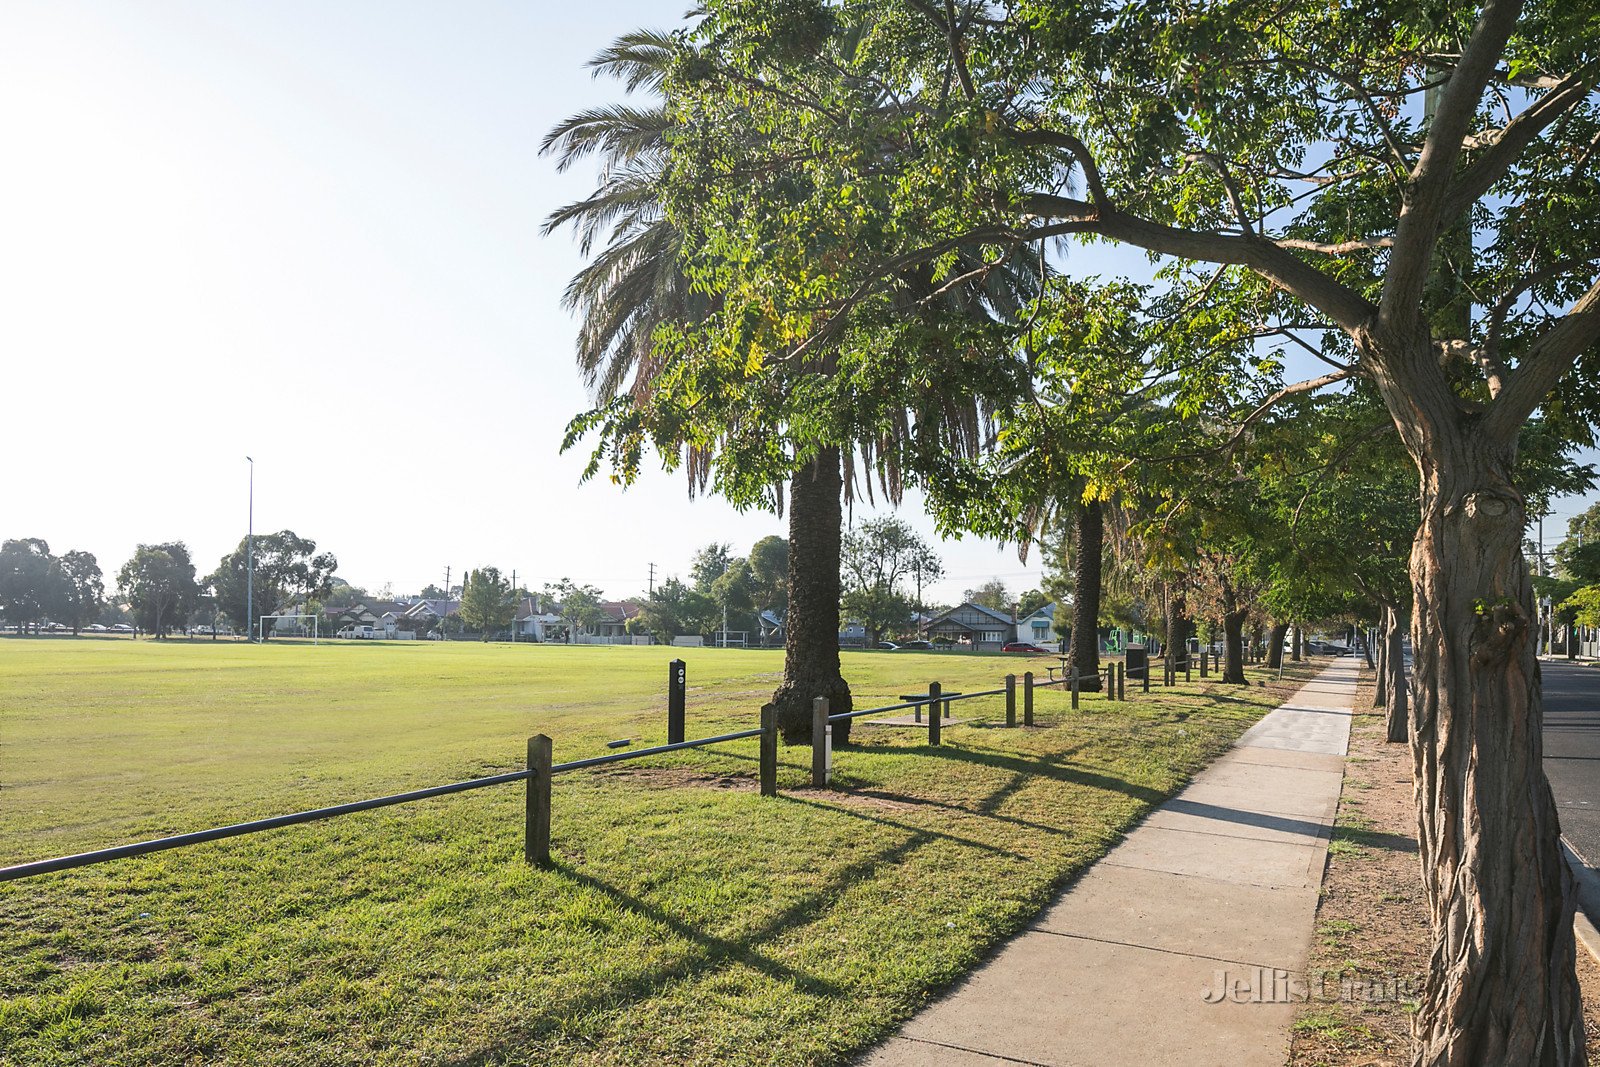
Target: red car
[{"x": 1025, "y": 646}]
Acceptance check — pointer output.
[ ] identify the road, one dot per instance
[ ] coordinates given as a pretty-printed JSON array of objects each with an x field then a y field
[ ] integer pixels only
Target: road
[{"x": 1572, "y": 752}]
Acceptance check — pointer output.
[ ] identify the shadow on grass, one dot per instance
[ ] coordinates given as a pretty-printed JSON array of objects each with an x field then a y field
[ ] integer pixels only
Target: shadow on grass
[
  {"x": 705, "y": 952},
  {"x": 1045, "y": 766},
  {"x": 1374, "y": 839}
]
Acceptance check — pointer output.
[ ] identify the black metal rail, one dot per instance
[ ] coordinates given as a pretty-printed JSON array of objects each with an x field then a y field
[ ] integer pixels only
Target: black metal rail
[{"x": 255, "y": 826}]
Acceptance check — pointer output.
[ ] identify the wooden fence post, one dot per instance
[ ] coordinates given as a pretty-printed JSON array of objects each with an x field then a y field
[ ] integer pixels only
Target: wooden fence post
[
  {"x": 1205, "y": 656},
  {"x": 1027, "y": 698},
  {"x": 934, "y": 718},
  {"x": 677, "y": 684},
  {"x": 1188, "y": 667},
  {"x": 821, "y": 742},
  {"x": 1011, "y": 700},
  {"x": 536, "y": 834},
  {"x": 1111, "y": 682},
  {"x": 1074, "y": 683},
  {"x": 769, "y": 750},
  {"x": 1146, "y": 678},
  {"x": 1122, "y": 681}
]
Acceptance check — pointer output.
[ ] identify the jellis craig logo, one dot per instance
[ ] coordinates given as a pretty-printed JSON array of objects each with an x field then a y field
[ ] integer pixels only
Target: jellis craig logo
[{"x": 1273, "y": 985}]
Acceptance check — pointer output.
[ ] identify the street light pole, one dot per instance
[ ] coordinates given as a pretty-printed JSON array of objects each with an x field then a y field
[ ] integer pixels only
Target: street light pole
[{"x": 250, "y": 558}]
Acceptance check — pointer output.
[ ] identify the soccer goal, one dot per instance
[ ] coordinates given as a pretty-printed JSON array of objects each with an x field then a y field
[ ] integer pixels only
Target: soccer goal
[
  {"x": 297, "y": 628},
  {"x": 731, "y": 639}
]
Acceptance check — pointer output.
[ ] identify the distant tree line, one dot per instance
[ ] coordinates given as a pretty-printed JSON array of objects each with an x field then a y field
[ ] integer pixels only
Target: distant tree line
[{"x": 158, "y": 590}]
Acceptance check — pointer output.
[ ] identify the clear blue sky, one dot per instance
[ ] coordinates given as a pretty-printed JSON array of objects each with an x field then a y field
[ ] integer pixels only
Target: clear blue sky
[{"x": 308, "y": 232}]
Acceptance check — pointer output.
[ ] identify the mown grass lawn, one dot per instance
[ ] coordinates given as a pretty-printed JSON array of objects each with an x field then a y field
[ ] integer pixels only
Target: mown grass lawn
[{"x": 687, "y": 920}]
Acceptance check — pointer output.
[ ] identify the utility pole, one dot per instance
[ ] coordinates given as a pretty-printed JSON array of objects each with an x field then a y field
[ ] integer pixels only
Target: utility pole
[
  {"x": 445, "y": 606},
  {"x": 250, "y": 558},
  {"x": 652, "y": 579},
  {"x": 516, "y": 601}
]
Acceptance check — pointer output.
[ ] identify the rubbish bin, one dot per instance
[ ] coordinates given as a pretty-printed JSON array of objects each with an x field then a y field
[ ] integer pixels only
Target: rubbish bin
[{"x": 1138, "y": 661}]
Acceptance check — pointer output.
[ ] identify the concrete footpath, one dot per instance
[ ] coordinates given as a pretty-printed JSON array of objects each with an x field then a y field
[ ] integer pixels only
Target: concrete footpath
[{"x": 1186, "y": 944}]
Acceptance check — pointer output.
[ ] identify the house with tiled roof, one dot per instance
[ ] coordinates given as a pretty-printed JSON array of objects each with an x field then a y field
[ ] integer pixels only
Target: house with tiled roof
[{"x": 974, "y": 626}]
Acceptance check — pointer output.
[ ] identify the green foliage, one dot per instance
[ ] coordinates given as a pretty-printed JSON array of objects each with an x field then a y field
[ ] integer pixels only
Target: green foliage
[
  {"x": 769, "y": 574},
  {"x": 488, "y": 602},
  {"x": 81, "y": 589},
  {"x": 1583, "y": 606},
  {"x": 709, "y": 564},
  {"x": 288, "y": 571},
  {"x": 580, "y": 604},
  {"x": 160, "y": 586},
  {"x": 877, "y": 560},
  {"x": 1578, "y": 555},
  {"x": 675, "y": 608},
  {"x": 29, "y": 581},
  {"x": 992, "y": 594}
]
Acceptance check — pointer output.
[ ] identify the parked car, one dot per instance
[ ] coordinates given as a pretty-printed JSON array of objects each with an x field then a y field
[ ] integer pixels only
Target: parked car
[
  {"x": 95, "y": 627},
  {"x": 1025, "y": 646},
  {"x": 122, "y": 628},
  {"x": 887, "y": 646},
  {"x": 914, "y": 646}
]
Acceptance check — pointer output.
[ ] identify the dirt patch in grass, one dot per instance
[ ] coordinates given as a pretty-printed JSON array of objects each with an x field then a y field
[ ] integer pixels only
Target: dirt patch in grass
[
  {"x": 1370, "y": 952},
  {"x": 678, "y": 778}
]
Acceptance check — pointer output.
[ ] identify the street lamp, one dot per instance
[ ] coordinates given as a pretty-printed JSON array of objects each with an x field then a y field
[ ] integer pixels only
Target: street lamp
[{"x": 250, "y": 558}]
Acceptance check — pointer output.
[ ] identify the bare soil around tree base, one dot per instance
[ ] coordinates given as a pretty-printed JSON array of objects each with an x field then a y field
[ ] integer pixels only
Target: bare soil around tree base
[{"x": 1370, "y": 952}]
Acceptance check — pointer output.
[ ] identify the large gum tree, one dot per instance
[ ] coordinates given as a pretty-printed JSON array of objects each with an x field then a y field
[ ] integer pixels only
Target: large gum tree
[{"x": 1405, "y": 192}]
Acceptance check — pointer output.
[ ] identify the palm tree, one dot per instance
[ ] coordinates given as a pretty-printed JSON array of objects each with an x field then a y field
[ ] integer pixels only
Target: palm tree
[{"x": 634, "y": 284}]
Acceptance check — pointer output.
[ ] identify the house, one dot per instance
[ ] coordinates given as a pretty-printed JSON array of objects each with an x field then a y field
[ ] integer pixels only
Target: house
[
  {"x": 539, "y": 619},
  {"x": 382, "y": 615},
  {"x": 973, "y": 625},
  {"x": 1040, "y": 626},
  {"x": 618, "y": 614},
  {"x": 433, "y": 611},
  {"x": 771, "y": 628}
]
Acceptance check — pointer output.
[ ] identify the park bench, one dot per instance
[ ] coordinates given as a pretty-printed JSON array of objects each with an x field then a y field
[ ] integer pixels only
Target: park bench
[{"x": 916, "y": 712}]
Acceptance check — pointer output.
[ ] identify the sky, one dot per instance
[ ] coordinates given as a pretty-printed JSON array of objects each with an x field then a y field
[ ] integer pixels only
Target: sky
[{"x": 309, "y": 233}]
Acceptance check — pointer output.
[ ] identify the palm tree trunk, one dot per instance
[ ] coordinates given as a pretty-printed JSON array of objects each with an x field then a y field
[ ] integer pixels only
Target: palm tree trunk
[
  {"x": 811, "y": 632},
  {"x": 1088, "y": 535}
]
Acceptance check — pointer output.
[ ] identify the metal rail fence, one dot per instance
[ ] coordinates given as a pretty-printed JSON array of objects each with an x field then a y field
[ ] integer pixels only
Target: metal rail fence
[{"x": 540, "y": 769}]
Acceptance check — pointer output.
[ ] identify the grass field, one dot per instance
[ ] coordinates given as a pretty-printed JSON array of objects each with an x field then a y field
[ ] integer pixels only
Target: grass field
[{"x": 688, "y": 920}]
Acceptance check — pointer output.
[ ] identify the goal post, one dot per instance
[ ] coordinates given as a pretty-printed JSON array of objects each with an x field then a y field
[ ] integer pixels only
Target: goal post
[{"x": 261, "y": 631}]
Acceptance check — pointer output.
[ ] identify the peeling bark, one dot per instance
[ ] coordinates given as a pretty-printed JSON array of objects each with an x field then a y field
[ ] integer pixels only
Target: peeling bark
[{"x": 1501, "y": 987}]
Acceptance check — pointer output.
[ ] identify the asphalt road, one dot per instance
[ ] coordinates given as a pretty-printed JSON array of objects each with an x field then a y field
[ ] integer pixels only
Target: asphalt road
[{"x": 1572, "y": 752}]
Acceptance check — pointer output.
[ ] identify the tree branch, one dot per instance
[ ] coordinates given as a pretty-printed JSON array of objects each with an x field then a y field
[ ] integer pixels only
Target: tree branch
[
  {"x": 1515, "y": 136},
  {"x": 1341, "y": 248},
  {"x": 1549, "y": 357},
  {"x": 1349, "y": 309},
  {"x": 1422, "y": 217},
  {"x": 1080, "y": 152}
]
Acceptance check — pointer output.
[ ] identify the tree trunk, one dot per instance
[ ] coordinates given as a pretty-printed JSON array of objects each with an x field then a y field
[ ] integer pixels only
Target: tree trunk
[
  {"x": 1275, "y": 638},
  {"x": 1501, "y": 986},
  {"x": 1177, "y": 628},
  {"x": 1088, "y": 535},
  {"x": 1399, "y": 719},
  {"x": 811, "y": 633},
  {"x": 1233, "y": 644},
  {"x": 1296, "y": 646},
  {"x": 1380, "y": 678}
]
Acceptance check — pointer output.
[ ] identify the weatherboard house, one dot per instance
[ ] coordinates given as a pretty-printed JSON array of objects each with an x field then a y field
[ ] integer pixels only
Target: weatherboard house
[{"x": 973, "y": 625}]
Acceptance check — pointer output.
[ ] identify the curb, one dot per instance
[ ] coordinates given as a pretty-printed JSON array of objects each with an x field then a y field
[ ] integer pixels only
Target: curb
[{"x": 1588, "y": 885}]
